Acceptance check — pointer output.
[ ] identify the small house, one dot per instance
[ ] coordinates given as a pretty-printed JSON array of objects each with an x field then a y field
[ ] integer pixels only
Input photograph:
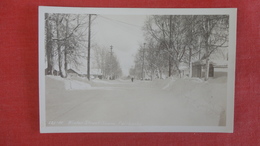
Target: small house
[
  {"x": 217, "y": 68},
  {"x": 72, "y": 73},
  {"x": 199, "y": 68},
  {"x": 96, "y": 73},
  {"x": 184, "y": 69}
]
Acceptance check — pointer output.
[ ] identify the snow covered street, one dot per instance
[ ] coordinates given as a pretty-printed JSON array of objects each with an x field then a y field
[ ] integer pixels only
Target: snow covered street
[{"x": 169, "y": 102}]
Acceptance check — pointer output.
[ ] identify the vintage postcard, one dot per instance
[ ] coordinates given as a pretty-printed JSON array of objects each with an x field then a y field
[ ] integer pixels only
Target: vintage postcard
[{"x": 136, "y": 69}]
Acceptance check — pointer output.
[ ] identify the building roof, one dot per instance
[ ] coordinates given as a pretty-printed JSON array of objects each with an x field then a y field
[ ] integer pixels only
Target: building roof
[
  {"x": 215, "y": 63},
  {"x": 183, "y": 66},
  {"x": 71, "y": 71},
  {"x": 95, "y": 72}
]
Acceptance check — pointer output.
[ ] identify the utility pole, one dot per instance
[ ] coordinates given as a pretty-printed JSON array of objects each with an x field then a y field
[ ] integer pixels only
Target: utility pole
[
  {"x": 111, "y": 47},
  {"x": 199, "y": 47},
  {"x": 170, "y": 45},
  {"x": 143, "y": 63},
  {"x": 111, "y": 53},
  {"x": 89, "y": 35}
]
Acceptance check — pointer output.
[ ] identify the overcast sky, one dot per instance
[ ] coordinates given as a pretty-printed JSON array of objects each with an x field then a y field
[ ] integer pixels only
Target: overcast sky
[{"x": 123, "y": 32}]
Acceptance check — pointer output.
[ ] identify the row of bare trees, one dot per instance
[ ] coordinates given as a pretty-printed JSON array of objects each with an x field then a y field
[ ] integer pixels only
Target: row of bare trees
[
  {"x": 65, "y": 40},
  {"x": 174, "y": 40},
  {"x": 107, "y": 62}
]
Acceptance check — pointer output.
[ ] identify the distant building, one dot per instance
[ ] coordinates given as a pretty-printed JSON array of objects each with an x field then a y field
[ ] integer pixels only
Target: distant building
[
  {"x": 96, "y": 73},
  {"x": 72, "y": 73},
  {"x": 54, "y": 72},
  {"x": 199, "y": 68},
  {"x": 184, "y": 69}
]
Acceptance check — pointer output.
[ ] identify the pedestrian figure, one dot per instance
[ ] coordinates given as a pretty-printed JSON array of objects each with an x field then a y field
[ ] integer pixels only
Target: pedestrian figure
[{"x": 132, "y": 79}]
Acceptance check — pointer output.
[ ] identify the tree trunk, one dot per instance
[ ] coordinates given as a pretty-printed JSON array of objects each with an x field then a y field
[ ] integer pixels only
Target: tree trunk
[
  {"x": 160, "y": 73},
  {"x": 48, "y": 46},
  {"x": 59, "y": 48},
  {"x": 207, "y": 66},
  {"x": 89, "y": 35},
  {"x": 190, "y": 64},
  {"x": 66, "y": 47},
  {"x": 170, "y": 47},
  {"x": 170, "y": 65},
  {"x": 190, "y": 49},
  {"x": 207, "y": 49}
]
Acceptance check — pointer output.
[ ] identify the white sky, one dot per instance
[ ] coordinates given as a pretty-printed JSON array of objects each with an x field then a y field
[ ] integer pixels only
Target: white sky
[{"x": 123, "y": 32}]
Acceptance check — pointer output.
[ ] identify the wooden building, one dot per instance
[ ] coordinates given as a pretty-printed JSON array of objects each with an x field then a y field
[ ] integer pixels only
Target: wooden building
[{"x": 199, "y": 68}]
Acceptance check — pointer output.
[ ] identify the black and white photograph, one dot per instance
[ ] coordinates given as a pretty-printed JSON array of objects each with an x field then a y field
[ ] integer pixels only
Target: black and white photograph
[{"x": 136, "y": 70}]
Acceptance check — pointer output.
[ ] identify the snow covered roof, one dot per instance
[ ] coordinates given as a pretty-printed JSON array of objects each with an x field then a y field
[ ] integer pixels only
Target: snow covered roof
[
  {"x": 84, "y": 71},
  {"x": 71, "y": 71},
  {"x": 183, "y": 66},
  {"x": 201, "y": 62},
  {"x": 220, "y": 63},
  {"x": 95, "y": 72},
  {"x": 215, "y": 63}
]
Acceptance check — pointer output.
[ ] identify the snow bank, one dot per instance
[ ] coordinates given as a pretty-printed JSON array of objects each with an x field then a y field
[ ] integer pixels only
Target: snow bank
[
  {"x": 70, "y": 84},
  {"x": 101, "y": 81},
  {"x": 98, "y": 82},
  {"x": 173, "y": 101},
  {"x": 76, "y": 85},
  {"x": 173, "y": 83},
  {"x": 199, "y": 96}
]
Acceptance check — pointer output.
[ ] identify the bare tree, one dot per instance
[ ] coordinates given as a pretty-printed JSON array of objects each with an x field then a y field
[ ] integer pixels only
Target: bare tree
[
  {"x": 107, "y": 62},
  {"x": 155, "y": 59},
  {"x": 183, "y": 39},
  {"x": 64, "y": 41},
  {"x": 192, "y": 39},
  {"x": 215, "y": 35},
  {"x": 49, "y": 49},
  {"x": 168, "y": 32}
]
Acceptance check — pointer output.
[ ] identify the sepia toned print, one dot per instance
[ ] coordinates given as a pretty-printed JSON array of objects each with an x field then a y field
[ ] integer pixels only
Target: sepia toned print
[{"x": 142, "y": 70}]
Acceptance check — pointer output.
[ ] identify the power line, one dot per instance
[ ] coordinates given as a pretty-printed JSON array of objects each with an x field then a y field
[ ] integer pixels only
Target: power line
[
  {"x": 120, "y": 21},
  {"x": 125, "y": 27}
]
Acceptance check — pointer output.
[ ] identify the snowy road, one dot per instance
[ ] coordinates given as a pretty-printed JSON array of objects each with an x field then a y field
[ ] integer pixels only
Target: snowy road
[{"x": 122, "y": 102}]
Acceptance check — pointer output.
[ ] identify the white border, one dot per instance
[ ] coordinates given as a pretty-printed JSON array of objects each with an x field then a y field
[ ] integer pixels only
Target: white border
[{"x": 232, "y": 12}]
